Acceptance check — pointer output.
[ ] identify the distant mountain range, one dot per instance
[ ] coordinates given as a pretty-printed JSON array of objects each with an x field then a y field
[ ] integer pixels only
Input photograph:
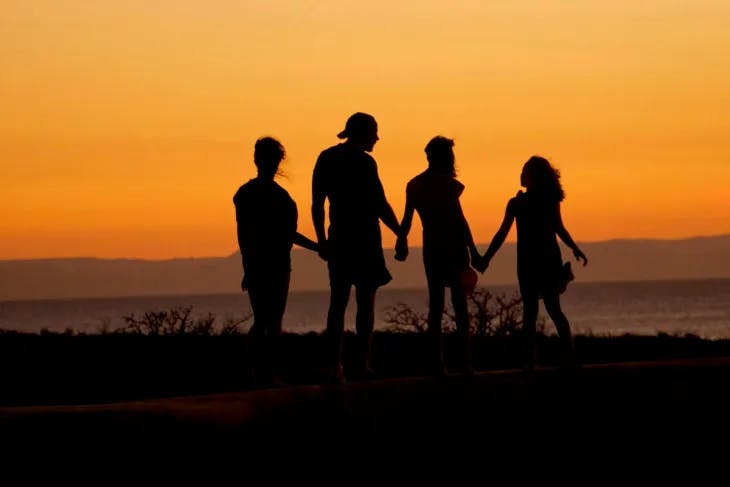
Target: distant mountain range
[{"x": 612, "y": 260}]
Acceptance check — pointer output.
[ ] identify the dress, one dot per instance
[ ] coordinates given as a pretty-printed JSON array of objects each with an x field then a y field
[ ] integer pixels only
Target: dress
[
  {"x": 539, "y": 262},
  {"x": 435, "y": 197}
]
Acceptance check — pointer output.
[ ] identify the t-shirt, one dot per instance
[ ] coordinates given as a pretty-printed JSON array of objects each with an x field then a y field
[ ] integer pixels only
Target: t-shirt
[
  {"x": 266, "y": 217},
  {"x": 348, "y": 177},
  {"x": 435, "y": 197}
]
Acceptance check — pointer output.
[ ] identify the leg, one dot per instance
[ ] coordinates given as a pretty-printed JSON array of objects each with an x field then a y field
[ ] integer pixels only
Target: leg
[
  {"x": 364, "y": 323},
  {"x": 339, "y": 296},
  {"x": 435, "y": 313},
  {"x": 552, "y": 306},
  {"x": 279, "y": 294},
  {"x": 461, "y": 312},
  {"x": 256, "y": 339},
  {"x": 530, "y": 303}
]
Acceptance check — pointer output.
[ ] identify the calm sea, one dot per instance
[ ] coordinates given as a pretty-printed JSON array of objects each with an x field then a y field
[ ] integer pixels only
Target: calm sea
[{"x": 701, "y": 307}]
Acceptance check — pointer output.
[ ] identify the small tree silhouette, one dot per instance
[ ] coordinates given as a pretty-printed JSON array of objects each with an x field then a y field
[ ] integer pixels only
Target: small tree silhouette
[
  {"x": 490, "y": 315},
  {"x": 401, "y": 318},
  {"x": 180, "y": 321}
]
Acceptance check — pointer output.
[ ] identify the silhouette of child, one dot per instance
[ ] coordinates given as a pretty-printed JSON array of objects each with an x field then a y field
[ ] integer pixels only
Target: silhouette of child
[
  {"x": 540, "y": 270},
  {"x": 447, "y": 244},
  {"x": 266, "y": 218}
]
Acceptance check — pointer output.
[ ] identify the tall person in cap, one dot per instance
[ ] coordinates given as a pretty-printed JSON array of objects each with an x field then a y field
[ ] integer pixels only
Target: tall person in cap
[{"x": 347, "y": 176}]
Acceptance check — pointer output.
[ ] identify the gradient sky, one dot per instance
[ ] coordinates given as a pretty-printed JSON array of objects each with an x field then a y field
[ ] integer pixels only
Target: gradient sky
[{"x": 126, "y": 126}]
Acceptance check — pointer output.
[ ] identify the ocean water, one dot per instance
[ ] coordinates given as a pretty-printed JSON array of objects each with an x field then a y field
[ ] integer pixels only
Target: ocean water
[{"x": 700, "y": 307}]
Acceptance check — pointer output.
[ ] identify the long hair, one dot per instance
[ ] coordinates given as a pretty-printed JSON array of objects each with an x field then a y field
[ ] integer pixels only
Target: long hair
[
  {"x": 267, "y": 155},
  {"x": 440, "y": 155},
  {"x": 545, "y": 179}
]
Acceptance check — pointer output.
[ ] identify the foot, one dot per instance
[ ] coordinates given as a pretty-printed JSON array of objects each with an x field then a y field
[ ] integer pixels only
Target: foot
[
  {"x": 529, "y": 368},
  {"x": 438, "y": 368},
  {"x": 467, "y": 369},
  {"x": 337, "y": 375},
  {"x": 367, "y": 371}
]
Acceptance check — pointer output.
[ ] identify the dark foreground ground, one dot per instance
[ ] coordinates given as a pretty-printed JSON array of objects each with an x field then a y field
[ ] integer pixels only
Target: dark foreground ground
[{"x": 666, "y": 413}]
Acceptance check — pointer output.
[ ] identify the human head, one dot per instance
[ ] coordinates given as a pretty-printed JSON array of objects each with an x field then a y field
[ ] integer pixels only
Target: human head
[
  {"x": 440, "y": 155},
  {"x": 540, "y": 176},
  {"x": 267, "y": 155},
  {"x": 361, "y": 129}
]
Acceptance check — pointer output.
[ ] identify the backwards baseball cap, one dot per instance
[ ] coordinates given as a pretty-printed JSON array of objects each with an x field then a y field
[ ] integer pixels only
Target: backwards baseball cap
[{"x": 358, "y": 123}]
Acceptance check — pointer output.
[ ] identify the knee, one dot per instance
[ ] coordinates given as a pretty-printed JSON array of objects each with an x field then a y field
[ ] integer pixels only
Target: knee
[{"x": 364, "y": 315}]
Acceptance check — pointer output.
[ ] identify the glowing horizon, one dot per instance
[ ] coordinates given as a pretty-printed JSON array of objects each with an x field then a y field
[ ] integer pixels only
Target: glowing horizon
[{"x": 127, "y": 127}]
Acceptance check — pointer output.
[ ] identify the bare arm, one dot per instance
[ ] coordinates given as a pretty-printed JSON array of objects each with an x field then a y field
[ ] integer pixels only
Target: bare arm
[
  {"x": 241, "y": 236},
  {"x": 407, "y": 221},
  {"x": 565, "y": 237},
  {"x": 389, "y": 218},
  {"x": 467, "y": 234},
  {"x": 303, "y": 241},
  {"x": 401, "y": 245},
  {"x": 318, "y": 197},
  {"x": 387, "y": 215},
  {"x": 318, "y": 218},
  {"x": 501, "y": 234}
]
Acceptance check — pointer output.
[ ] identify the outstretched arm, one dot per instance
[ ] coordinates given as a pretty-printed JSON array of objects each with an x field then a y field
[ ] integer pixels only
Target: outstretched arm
[
  {"x": 388, "y": 216},
  {"x": 501, "y": 234},
  {"x": 565, "y": 237},
  {"x": 318, "y": 197},
  {"x": 407, "y": 221},
  {"x": 473, "y": 252},
  {"x": 303, "y": 241},
  {"x": 241, "y": 234},
  {"x": 401, "y": 245}
]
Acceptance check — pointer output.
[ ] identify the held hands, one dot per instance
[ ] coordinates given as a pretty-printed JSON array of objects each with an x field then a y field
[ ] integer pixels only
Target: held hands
[
  {"x": 477, "y": 261},
  {"x": 580, "y": 256},
  {"x": 401, "y": 249}
]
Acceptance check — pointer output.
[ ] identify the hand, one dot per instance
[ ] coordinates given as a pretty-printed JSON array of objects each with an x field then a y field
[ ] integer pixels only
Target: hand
[
  {"x": 474, "y": 257},
  {"x": 480, "y": 263},
  {"x": 580, "y": 256}
]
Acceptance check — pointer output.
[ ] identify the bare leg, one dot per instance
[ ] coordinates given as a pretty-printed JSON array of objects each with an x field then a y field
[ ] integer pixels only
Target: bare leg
[
  {"x": 339, "y": 296},
  {"x": 364, "y": 323},
  {"x": 279, "y": 294},
  {"x": 257, "y": 340},
  {"x": 552, "y": 306},
  {"x": 530, "y": 303},
  {"x": 435, "y": 312},
  {"x": 268, "y": 302},
  {"x": 461, "y": 311}
]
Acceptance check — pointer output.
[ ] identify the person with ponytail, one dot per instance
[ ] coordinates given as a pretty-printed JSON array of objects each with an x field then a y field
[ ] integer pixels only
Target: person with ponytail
[{"x": 266, "y": 222}]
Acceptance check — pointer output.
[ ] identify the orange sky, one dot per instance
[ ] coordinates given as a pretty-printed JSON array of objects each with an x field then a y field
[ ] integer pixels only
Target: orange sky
[{"x": 126, "y": 127}]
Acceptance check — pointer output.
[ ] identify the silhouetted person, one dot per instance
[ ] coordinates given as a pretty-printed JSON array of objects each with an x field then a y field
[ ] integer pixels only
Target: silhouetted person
[
  {"x": 540, "y": 268},
  {"x": 266, "y": 218},
  {"x": 347, "y": 176},
  {"x": 447, "y": 244}
]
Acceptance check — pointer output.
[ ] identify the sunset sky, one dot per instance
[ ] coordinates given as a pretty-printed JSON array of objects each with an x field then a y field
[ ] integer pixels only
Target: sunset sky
[{"x": 126, "y": 126}]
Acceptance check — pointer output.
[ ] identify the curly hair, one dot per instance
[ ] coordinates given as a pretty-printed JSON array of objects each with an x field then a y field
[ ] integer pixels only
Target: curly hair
[{"x": 544, "y": 177}]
